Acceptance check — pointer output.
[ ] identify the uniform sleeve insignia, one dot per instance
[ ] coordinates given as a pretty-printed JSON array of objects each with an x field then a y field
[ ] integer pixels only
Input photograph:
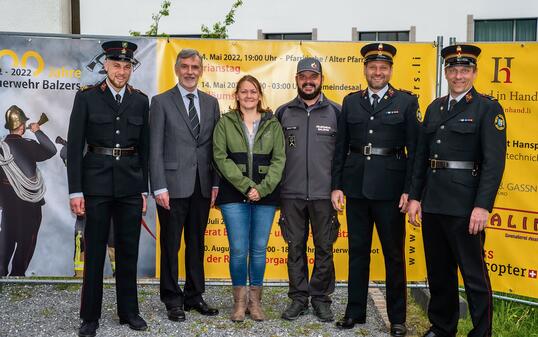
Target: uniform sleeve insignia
[
  {"x": 468, "y": 97},
  {"x": 499, "y": 122},
  {"x": 419, "y": 116}
]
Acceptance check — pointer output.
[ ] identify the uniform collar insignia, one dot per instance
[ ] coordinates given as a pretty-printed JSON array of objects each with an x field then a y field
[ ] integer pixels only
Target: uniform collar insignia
[
  {"x": 129, "y": 88},
  {"x": 103, "y": 86},
  {"x": 390, "y": 92},
  {"x": 468, "y": 97},
  {"x": 365, "y": 93}
]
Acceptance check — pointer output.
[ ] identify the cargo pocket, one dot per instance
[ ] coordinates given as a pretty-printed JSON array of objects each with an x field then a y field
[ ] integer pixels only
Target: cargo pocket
[
  {"x": 282, "y": 222},
  {"x": 335, "y": 227}
]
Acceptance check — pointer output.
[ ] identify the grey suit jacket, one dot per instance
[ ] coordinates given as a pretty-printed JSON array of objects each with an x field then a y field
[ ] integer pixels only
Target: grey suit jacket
[{"x": 175, "y": 154}]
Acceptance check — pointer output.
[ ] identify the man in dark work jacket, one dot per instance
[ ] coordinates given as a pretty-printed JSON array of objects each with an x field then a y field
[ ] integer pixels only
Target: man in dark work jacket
[
  {"x": 375, "y": 149},
  {"x": 459, "y": 165},
  {"x": 108, "y": 182}
]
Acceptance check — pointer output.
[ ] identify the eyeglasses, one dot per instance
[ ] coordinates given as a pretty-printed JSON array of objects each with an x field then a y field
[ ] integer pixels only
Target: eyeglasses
[{"x": 459, "y": 70}]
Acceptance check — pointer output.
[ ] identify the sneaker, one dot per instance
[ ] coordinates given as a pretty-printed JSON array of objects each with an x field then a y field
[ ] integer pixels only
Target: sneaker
[{"x": 294, "y": 310}]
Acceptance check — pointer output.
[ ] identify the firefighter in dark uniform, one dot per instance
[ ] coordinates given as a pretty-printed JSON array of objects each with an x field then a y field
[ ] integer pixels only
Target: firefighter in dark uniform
[
  {"x": 21, "y": 191},
  {"x": 110, "y": 119},
  {"x": 458, "y": 168},
  {"x": 375, "y": 149}
]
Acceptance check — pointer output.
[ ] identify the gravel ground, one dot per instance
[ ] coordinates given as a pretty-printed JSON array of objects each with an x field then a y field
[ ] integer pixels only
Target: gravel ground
[{"x": 52, "y": 310}]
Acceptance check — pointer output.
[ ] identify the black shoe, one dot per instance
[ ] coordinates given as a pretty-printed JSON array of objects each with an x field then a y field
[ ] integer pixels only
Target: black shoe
[
  {"x": 175, "y": 314},
  {"x": 430, "y": 333},
  {"x": 398, "y": 330},
  {"x": 202, "y": 308},
  {"x": 349, "y": 323},
  {"x": 88, "y": 328},
  {"x": 294, "y": 310},
  {"x": 135, "y": 322},
  {"x": 323, "y": 312}
]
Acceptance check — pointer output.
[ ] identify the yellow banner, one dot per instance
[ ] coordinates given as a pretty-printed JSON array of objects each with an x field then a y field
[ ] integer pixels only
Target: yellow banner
[
  {"x": 274, "y": 64},
  {"x": 508, "y": 72}
]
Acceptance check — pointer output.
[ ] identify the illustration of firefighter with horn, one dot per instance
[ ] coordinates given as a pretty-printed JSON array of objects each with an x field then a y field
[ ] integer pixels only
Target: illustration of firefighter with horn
[{"x": 21, "y": 190}]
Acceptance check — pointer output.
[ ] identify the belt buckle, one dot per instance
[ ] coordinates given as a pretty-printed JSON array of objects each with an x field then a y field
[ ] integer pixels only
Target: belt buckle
[
  {"x": 367, "y": 150},
  {"x": 433, "y": 163},
  {"x": 116, "y": 152}
]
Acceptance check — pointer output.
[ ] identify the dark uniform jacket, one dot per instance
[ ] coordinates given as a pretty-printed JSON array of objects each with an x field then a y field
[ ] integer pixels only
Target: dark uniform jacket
[
  {"x": 393, "y": 124},
  {"x": 26, "y": 153},
  {"x": 475, "y": 130},
  {"x": 98, "y": 120},
  {"x": 310, "y": 140}
]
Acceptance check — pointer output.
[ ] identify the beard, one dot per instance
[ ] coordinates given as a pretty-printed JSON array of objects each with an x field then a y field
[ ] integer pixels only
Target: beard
[{"x": 310, "y": 96}]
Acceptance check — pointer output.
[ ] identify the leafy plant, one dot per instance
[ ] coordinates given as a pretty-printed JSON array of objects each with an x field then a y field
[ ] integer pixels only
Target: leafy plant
[
  {"x": 156, "y": 17},
  {"x": 220, "y": 29}
]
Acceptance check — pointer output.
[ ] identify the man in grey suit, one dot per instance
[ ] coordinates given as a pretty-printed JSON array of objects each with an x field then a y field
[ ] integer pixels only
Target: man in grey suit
[{"x": 183, "y": 182}]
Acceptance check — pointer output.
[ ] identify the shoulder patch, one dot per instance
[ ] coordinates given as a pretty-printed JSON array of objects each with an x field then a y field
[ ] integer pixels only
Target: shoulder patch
[
  {"x": 419, "y": 116},
  {"x": 499, "y": 122},
  {"x": 407, "y": 92},
  {"x": 491, "y": 98}
]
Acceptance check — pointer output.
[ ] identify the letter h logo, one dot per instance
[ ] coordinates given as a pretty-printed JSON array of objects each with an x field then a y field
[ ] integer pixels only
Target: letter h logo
[{"x": 505, "y": 70}]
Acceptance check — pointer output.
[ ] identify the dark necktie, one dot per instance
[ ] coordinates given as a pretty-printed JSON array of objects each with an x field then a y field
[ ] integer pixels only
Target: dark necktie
[
  {"x": 451, "y": 104},
  {"x": 118, "y": 99},
  {"x": 193, "y": 116},
  {"x": 375, "y": 100}
]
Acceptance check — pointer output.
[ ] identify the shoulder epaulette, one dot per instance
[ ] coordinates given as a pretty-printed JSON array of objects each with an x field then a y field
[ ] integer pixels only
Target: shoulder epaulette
[
  {"x": 131, "y": 89},
  {"x": 87, "y": 87},
  {"x": 407, "y": 92},
  {"x": 491, "y": 98},
  {"x": 355, "y": 92}
]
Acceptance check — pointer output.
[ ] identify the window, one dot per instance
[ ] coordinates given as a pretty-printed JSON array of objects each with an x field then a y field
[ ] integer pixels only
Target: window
[
  {"x": 287, "y": 36},
  {"x": 187, "y": 36},
  {"x": 384, "y": 36},
  {"x": 505, "y": 30}
]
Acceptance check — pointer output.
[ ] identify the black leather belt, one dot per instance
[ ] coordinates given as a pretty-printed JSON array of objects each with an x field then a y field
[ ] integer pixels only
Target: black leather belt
[
  {"x": 113, "y": 151},
  {"x": 453, "y": 164},
  {"x": 368, "y": 150}
]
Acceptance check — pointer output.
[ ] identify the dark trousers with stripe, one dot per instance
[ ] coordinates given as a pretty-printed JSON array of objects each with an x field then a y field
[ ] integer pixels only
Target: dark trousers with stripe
[
  {"x": 448, "y": 245},
  {"x": 127, "y": 215},
  {"x": 390, "y": 225}
]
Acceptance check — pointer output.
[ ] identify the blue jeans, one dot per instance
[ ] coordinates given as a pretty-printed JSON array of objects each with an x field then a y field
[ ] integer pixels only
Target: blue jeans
[{"x": 248, "y": 228}]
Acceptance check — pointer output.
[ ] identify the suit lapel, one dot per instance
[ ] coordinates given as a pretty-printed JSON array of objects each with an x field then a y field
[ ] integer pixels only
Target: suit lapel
[
  {"x": 182, "y": 111},
  {"x": 385, "y": 100},
  {"x": 365, "y": 102},
  {"x": 126, "y": 101},
  {"x": 107, "y": 96},
  {"x": 459, "y": 107}
]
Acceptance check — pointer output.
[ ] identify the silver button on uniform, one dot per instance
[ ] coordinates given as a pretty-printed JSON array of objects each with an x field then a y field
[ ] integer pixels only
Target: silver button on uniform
[
  {"x": 438, "y": 141},
  {"x": 117, "y": 132}
]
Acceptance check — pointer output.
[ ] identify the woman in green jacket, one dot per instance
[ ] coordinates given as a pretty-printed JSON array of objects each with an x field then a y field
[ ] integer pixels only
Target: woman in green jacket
[{"x": 249, "y": 152}]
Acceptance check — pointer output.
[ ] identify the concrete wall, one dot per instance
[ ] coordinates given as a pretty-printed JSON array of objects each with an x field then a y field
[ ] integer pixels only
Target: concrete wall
[
  {"x": 333, "y": 19},
  {"x": 36, "y": 16}
]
